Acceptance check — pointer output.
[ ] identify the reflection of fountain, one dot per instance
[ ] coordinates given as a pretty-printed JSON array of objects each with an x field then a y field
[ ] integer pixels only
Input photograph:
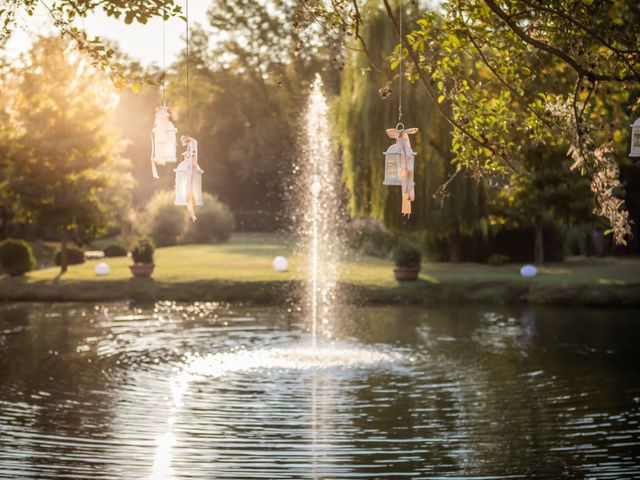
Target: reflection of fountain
[{"x": 318, "y": 194}]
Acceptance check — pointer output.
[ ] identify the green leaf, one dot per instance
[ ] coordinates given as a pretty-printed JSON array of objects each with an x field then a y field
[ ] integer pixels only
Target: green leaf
[{"x": 455, "y": 41}]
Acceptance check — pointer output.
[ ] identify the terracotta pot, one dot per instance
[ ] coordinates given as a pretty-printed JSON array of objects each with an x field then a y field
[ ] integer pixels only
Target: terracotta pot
[
  {"x": 407, "y": 274},
  {"x": 142, "y": 269}
]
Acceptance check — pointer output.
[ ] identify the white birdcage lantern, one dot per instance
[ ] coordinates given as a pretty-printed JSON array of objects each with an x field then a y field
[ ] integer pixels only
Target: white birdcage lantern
[
  {"x": 188, "y": 188},
  {"x": 399, "y": 162},
  {"x": 392, "y": 158},
  {"x": 635, "y": 139},
  {"x": 163, "y": 137}
]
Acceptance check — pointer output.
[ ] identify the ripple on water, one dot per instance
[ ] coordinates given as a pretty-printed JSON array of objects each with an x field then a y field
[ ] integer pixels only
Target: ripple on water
[
  {"x": 205, "y": 391},
  {"x": 303, "y": 356}
]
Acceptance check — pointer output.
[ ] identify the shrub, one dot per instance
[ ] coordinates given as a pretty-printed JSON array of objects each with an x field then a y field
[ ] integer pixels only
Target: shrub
[
  {"x": 496, "y": 260},
  {"x": 164, "y": 222},
  {"x": 215, "y": 223},
  {"x": 407, "y": 255},
  {"x": 115, "y": 250},
  {"x": 75, "y": 256},
  {"x": 16, "y": 257},
  {"x": 142, "y": 251},
  {"x": 368, "y": 236}
]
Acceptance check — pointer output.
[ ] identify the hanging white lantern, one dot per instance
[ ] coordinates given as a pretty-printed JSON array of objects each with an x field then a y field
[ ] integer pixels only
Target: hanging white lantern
[
  {"x": 188, "y": 186},
  {"x": 399, "y": 162},
  {"x": 163, "y": 139},
  {"x": 635, "y": 139}
]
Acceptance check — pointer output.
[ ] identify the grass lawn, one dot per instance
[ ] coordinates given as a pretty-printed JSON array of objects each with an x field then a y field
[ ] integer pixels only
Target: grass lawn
[{"x": 243, "y": 266}]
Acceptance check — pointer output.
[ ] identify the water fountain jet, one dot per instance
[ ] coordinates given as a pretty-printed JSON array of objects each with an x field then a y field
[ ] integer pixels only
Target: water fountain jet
[{"x": 318, "y": 192}]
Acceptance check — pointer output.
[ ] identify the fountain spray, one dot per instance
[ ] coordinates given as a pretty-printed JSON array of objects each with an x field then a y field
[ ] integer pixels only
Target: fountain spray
[{"x": 319, "y": 197}]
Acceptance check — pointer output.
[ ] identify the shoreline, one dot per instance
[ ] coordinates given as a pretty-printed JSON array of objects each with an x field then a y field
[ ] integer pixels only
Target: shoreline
[{"x": 284, "y": 292}]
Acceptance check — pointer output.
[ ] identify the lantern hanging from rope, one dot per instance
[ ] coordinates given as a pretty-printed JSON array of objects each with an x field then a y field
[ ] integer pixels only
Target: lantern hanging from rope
[
  {"x": 635, "y": 139},
  {"x": 188, "y": 186},
  {"x": 399, "y": 159},
  {"x": 163, "y": 135},
  {"x": 163, "y": 139}
]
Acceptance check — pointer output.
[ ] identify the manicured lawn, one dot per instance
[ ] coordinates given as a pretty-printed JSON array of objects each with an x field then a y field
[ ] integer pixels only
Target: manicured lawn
[
  {"x": 248, "y": 257},
  {"x": 241, "y": 269}
]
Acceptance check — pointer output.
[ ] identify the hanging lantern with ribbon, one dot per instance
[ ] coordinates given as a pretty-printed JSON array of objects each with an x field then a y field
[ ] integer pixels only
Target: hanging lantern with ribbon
[
  {"x": 399, "y": 160},
  {"x": 188, "y": 186},
  {"x": 163, "y": 139}
]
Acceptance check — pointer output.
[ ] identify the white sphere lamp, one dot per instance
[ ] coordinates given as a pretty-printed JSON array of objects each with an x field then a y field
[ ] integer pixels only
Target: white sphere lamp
[
  {"x": 280, "y": 264},
  {"x": 102, "y": 269},
  {"x": 528, "y": 271}
]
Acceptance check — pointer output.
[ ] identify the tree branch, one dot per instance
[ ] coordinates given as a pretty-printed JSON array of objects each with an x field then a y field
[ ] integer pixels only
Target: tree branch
[
  {"x": 556, "y": 52},
  {"x": 619, "y": 52},
  {"x": 503, "y": 82}
]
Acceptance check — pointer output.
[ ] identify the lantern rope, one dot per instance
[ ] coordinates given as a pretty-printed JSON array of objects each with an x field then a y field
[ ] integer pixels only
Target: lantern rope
[
  {"x": 187, "y": 38},
  {"x": 400, "y": 67},
  {"x": 164, "y": 63}
]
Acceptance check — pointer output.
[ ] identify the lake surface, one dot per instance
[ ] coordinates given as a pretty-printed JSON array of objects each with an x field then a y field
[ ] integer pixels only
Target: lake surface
[{"x": 209, "y": 391}]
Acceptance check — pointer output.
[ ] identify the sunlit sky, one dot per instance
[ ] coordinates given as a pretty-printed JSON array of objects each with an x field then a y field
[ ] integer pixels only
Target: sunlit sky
[{"x": 141, "y": 42}]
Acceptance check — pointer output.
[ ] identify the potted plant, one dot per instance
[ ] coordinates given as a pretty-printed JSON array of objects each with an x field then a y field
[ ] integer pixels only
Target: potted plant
[
  {"x": 407, "y": 259},
  {"x": 142, "y": 256}
]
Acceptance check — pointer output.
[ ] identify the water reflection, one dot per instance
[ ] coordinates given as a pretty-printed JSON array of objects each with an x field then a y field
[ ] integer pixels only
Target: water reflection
[{"x": 208, "y": 391}]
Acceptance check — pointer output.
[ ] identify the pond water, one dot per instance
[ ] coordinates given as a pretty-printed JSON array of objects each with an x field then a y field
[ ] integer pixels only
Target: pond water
[{"x": 211, "y": 391}]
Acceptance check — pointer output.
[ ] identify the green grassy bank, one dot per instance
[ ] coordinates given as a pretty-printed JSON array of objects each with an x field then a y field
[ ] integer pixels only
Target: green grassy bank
[{"x": 241, "y": 271}]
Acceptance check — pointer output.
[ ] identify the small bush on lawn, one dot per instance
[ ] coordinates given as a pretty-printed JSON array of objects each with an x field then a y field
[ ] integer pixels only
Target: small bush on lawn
[
  {"x": 163, "y": 221},
  {"x": 16, "y": 257},
  {"x": 368, "y": 236},
  {"x": 496, "y": 260},
  {"x": 75, "y": 256},
  {"x": 407, "y": 255},
  {"x": 142, "y": 251},
  {"x": 214, "y": 225},
  {"x": 115, "y": 250}
]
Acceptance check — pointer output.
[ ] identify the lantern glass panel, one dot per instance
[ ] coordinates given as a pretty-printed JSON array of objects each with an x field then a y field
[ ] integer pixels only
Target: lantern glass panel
[
  {"x": 182, "y": 179},
  {"x": 635, "y": 142},
  {"x": 392, "y": 169}
]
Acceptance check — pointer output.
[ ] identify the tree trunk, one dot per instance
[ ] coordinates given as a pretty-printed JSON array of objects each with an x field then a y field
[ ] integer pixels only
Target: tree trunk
[
  {"x": 538, "y": 247},
  {"x": 455, "y": 247},
  {"x": 64, "y": 251}
]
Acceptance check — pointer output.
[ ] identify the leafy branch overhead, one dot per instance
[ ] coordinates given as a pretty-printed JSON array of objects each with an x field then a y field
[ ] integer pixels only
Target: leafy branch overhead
[
  {"x": 508, "y": 74},
  {"x": 64, "y": 14}
]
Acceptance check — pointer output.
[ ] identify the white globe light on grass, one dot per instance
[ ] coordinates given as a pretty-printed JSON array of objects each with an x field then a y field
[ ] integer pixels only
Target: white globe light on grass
[
  {"x": 102, "y": 269},
  {"x": 528, "y": 271},
  {"x": 280, "y": 264}
]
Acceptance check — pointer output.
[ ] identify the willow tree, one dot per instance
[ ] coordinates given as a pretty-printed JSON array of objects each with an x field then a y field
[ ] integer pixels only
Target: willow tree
[{"x": 368, "y": 105}]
